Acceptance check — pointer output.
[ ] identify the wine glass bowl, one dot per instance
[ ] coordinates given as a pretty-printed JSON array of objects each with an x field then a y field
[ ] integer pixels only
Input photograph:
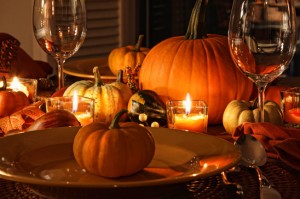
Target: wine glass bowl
[
  {"x": 262, "y": 40},
  {"x": 60, "y": 29}
]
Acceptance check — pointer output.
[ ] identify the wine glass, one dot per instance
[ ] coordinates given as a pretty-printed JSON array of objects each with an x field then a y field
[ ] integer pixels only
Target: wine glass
[
  {"x": 262, "y": 40},
  {"x": 60, "y": 29}
]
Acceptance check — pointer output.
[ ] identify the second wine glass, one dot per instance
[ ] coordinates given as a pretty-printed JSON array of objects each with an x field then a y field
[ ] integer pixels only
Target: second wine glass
[
  {"x": 262, "y": 40},
  {"x": 60, "y": 29}
]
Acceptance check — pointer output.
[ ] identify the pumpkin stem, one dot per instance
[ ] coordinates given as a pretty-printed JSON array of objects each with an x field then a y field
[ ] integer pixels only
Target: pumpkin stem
[
  {"x": 120, "y": 76},
  {"x": 97, "y": 76},
  {"x": 138, "y": 44},
  {"x": 4, "y": 84},
  {"x": 115, "y": 122},
  {"x": 196, "y": 28},
  {"x": 255, "y": 103}
]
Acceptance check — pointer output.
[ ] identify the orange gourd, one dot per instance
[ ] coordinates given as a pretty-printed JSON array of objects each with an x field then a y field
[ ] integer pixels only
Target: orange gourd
[
  {"x": 113, "y": 151},
  {"x": 128, "y": 56},
  {"x": 198, "y": 64}
]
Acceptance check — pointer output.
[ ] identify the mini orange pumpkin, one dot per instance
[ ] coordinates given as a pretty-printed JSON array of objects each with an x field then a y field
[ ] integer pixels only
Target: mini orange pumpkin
[
  {"x": 113, "y": 151},
  {"x": 11, "y": 101},
  {"x": 128, "y": 56},
  {"x": 198, "y": 64}
]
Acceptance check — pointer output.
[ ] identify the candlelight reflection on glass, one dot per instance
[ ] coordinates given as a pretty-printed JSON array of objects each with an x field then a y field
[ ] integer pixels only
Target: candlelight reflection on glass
[
  {"x": 290, "y": 105},
  {"x": 81, "y": 107},
  {"x": 189, "y": 115},
  {"x": 27, "y": 86}
]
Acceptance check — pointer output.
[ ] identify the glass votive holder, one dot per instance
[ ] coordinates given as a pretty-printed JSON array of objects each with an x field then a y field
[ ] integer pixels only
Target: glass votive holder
[
  {"x": 81, "y": 107},
  {"x": 195, "y": 119},
  {"x": 26, "y": 85},
  {"x": 290, "y": 106}
]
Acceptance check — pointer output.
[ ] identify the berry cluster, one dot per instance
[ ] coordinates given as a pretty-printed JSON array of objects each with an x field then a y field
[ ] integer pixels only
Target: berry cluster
[
  {"x": 8, "y": 53},
  {"x": 132, "y": 74}
]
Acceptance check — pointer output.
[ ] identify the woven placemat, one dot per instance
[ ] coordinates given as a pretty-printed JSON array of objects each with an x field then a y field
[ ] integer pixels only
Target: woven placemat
[
  {"x": 281, "y": 179},
  {"x": 211, "y": 187}
]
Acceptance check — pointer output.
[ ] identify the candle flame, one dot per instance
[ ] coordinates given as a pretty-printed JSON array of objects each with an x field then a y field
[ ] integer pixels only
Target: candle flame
[
  {"x": 17, "y": 86},
  {"x": 187, "y": 103},
  {"x": 75, "y": 102}
]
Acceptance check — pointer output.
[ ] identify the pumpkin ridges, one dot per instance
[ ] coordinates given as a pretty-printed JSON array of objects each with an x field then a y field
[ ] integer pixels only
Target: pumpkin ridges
[
  {"x": 80, "y": 87},
  {"x": 114, "y": 152},
  {"x": 108, "y": 142},
  {"x": 170, "y": 48},
  {"x": 128, "y": 56},
  {"x": 212, "y": 87},
  {"x": 139, "y": 142},
  {"x": 239, "y": 111},
  {"x": 13, "y": 101},
  {"x": 92, "y": 148},
  {"x": 203, "y": 80}
]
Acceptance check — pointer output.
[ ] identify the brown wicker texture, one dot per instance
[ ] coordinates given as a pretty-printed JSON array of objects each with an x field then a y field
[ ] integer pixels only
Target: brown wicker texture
[
  {"x": 211, "y": 187},
  {"x": 281, "y": 179}
]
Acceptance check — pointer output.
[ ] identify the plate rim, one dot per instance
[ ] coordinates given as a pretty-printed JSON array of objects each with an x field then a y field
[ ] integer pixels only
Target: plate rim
[
  {"x": 146, "y": 183},
  {"x": 67, "y": 69}
]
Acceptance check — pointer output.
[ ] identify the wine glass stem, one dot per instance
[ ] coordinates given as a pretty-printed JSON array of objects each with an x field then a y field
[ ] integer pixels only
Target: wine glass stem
[
  {"x": 60, "y": 74},
  {"x": 261, "y": 100}
]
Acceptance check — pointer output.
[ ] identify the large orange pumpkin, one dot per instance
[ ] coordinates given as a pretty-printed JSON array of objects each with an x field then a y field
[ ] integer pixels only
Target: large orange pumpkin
[{"x": 198, "y": 64}]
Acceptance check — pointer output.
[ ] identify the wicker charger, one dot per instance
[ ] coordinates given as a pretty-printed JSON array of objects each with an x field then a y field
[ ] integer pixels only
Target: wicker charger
[{"x": 211, "y": 187}]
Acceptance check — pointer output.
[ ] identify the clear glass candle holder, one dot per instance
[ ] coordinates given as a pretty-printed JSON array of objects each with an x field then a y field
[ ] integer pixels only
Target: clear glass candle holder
[
  {"x": 195, "y": 120},
  {"x": 83, "y": 111},
  {"x": 26, "y": 85},
  {"x": 290, "y": 106}
]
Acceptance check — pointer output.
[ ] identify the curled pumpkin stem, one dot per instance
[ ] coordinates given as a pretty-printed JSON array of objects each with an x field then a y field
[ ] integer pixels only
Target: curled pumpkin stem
[
  {"x": 196, "y": 28},
  {"x": 115, "y": 122}
]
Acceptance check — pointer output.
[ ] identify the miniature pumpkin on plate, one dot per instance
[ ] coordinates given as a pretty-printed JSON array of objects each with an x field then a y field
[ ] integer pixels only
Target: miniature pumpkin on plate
[{"x": 113, "y": 151}]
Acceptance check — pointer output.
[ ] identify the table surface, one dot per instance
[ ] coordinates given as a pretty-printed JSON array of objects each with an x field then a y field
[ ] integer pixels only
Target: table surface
[{"x": 286, "y": 181}]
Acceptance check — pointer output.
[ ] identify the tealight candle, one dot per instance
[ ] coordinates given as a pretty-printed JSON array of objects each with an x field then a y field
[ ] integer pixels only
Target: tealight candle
[
  {"x": 290, "y": 104},
  {"x": 292, "y": 116},
  {"x": 188, "y": 115},
  {"x": 83, "y": 115},
  {"x": 25, "y": 85},
  {"x": 81, "y": 107}
]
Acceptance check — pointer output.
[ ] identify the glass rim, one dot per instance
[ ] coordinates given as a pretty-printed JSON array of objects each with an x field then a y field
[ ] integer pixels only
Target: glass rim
[
  {"x": 293, "y": 90},
  {"x": 179, "y": 103}
]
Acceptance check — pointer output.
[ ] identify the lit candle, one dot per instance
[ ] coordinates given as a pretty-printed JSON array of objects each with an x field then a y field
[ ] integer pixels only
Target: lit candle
[
  {"x": 84, "y": 118},
  {"x": 292, "y": 116},
  {"x": 16, "y": 85},
  {"x": 196, "y": 122}
]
